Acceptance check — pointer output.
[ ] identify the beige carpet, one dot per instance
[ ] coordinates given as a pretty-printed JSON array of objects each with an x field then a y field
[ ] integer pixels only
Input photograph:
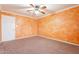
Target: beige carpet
[{"x": 37, "y": 45}]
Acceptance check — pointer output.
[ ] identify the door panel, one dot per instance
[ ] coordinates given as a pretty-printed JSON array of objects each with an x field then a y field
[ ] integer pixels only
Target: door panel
[{"x": 8, "y": 28}]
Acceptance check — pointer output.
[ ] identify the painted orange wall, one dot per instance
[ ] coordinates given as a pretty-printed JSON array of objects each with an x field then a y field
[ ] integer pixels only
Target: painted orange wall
[
  {"x": 25, "y": 26},
  {"x": 63, "y": 26}
]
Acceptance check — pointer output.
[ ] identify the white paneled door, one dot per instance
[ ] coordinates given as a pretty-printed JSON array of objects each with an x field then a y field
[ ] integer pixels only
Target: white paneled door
[{"x": 8, "y": 28}]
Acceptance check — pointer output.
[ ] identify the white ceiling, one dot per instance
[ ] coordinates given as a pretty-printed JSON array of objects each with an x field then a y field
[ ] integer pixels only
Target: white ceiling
[{"x": 21, "y": 8}]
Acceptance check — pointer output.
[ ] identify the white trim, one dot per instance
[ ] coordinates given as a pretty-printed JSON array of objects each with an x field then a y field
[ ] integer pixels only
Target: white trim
[
  {"x": 59, "y": 11},
  {"x": 17, "y": 14},
  {"x": 41, "y": 16},
  {"x": 25, "y": 37},
  {"x": 63, "y": 41},
  {"x": 44, "y": 37},
  {"x": 20, "y": 38},
  {"x": 66, "y": 9}
]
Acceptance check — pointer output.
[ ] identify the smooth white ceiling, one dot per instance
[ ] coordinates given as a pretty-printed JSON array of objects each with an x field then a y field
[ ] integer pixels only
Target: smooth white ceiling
[{"x": 21, "y": 8}]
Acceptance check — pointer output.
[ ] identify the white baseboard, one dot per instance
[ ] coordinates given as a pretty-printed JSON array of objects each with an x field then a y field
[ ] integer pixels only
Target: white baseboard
[{"x": 59, "y": 40}]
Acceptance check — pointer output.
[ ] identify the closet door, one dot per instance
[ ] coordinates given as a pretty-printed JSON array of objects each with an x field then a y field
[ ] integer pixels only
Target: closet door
[{"x": 8, "y": 28}]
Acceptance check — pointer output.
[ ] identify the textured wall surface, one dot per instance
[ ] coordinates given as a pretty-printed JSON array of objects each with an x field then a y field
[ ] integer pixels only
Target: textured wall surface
[
  {"x": 25, "y": 27},
  {"x": 62, "y": 26}
]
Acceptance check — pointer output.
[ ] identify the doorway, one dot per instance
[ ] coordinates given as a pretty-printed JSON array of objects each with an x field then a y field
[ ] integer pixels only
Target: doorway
[{"x": 8, "y": 28}]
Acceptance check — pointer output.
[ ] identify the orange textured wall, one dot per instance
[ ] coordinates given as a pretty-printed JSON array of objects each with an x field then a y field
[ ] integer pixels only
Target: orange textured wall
[
  {"x": 25, "y": 26},
  {"x": 63, "y": 26}
]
